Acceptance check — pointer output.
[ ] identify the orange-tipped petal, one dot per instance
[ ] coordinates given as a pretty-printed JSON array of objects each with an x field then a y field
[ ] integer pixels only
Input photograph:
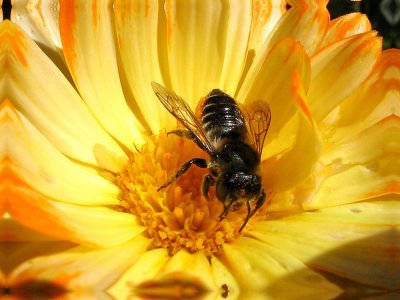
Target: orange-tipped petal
[
  {"x": 90, "y": 51},
  {"x": 93, "y": 226},
  {"x": 80, "y": 270},
  {"x": 339, "y": 69},
  {"x": 41, "y": 92},
  {"x": 295, "y": 164},
  {"x": 378, "y": 97},
  {"x": 33, "y": 159},
  {"x": 306, "y": 22},
  {"x": 269, "y": 79},
  {"x": 266, "y": 14},
  {"x": 346, "y": 26},
  {"x": 11, "y": 231}
]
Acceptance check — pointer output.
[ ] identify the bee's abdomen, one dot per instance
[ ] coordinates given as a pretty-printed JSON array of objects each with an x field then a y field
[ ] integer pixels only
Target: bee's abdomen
[{"x": 221, "y": 117}]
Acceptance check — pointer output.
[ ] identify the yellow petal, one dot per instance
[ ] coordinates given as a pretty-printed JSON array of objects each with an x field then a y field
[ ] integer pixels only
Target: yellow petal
[
  {"x": 13, "y": 254},
  {"x": 10, "y": 230},
  {"x": 197, "y": 42},
  {"x": 339, "y": 69},
  {"x": 350, "y": 185},
  {"x": 237, "y": 29},
  {"x": 92, "y": 226},
  {"x": 372, "y": 147},
  {"x": 183, "y": 275},
  {"x": 39, "y": 19},
  {"x": 270, "y": 79},
  {"x": 378, "y": 95},
  {"x": 137, "y": 26},
  {"x": 258, "y": 266},
  {"x": 224, "y": 279},
  {"x": 5, "y": 176},
  {"x": 144, "y": 269},
  {"x": 306, "y": 22},
  {"x": 51, "y": 104},
  {"x": 201, "y": 57},
  {"x": 42, "y": 166},
  {"x": 346, "y": 26},
  {"x": 266, "y": 14},
  {"x": 191, "y": 266},
  {"x": 295, "y": 165},
  {"x": 356, "y": 241},
  {"x": 90, "y": 51},
  {"x": 155, "y": 266},
  {"x": 361, "y": 167},
  {"x": 79, "y": 269}
]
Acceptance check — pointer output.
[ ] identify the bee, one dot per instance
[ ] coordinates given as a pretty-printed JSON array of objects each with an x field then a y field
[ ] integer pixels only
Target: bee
[{"x": 234, "y": 144}]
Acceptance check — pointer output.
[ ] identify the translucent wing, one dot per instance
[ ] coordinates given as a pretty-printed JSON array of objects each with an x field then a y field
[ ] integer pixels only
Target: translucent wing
[
  {"x": 183, "y": 113},
  {"x": 258, "y": 117}
]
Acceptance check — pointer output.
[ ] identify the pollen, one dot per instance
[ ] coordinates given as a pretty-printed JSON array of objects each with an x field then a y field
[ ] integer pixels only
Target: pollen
[{"x": 177, "y": 216}]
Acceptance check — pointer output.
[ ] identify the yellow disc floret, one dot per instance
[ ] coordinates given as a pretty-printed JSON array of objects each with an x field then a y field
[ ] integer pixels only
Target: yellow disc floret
[{"x": 177, "y": 216}]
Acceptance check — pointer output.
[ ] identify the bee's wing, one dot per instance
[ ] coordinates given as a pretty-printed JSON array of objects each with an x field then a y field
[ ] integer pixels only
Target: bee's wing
[
  {"x": 182, "y": 111},
  {"x": 257, "y": 116}
]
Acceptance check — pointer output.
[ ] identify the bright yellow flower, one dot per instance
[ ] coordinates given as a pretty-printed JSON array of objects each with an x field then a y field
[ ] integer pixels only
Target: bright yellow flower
[{"x": 88, "y": 171}]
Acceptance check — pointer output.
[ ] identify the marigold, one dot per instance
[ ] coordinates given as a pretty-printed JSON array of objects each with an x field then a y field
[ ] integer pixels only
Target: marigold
[{"x": 89, "y": 171}]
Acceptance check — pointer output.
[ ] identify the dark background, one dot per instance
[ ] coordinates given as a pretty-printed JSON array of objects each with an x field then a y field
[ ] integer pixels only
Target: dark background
[
  {"x": 382, "y": 14},
  {"x": 6, "y": 6}
]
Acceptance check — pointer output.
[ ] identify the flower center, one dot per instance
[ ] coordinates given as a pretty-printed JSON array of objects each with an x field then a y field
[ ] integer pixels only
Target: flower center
[{"x": 177, "y": 216}]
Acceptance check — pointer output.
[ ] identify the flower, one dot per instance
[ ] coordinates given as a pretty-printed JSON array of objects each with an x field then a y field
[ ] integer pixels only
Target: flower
[{"x": 89, "y": 171}]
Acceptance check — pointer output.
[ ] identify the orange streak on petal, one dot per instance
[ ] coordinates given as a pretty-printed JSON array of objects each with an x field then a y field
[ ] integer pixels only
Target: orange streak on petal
[
  {"x": 65, "y": 279},
  {"x": 67, "y": 21},
  {"x": 147, "y": 8},
  {"x": 353, "y": 20},
  {"x": 11, "y": 36},
  {"x": 8, "y": 115},
  {"x": 35, "y": 211},
  {"x": 391, "y": 187},
  {"x": 261, "y": 14},
  {"x": 366, "y": 46},
  {"x": 389, "y": 59},
  {"x": 298, "y": 96},
  {"x": 94, "y": 13},
  {"x": 388, "y": 119}
]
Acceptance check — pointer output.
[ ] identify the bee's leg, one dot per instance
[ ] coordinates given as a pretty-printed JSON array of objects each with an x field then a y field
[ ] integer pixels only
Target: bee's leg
[
  {"x": 182, "y": 132},
  {"x": 207, "y": 182},
  {"x": 226, "y": 209},
  {"x": 250, "y": 213},
  {"x": 189, "y": 135},
  {"x": 259, "y": 203},
  {"x": 200, "y": 162}
]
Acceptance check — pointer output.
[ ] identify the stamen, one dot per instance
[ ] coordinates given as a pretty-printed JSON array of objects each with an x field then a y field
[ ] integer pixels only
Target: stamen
[{"x": 177, "y": 216}]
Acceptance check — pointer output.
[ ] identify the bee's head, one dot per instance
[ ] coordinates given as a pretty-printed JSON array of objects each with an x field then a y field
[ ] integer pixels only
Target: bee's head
[{"x": 238, "y": 185}]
